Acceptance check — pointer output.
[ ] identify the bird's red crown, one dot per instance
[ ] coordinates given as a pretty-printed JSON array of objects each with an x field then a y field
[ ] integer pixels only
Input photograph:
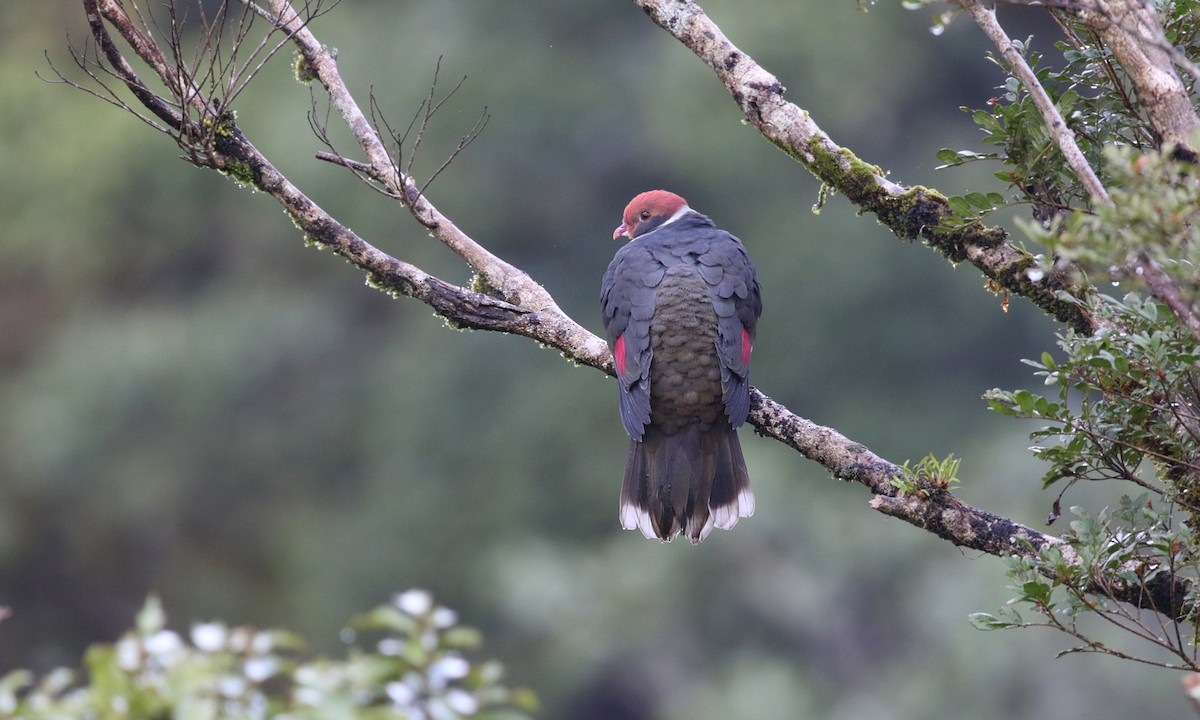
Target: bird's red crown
[{"x": 645, "y": 207}]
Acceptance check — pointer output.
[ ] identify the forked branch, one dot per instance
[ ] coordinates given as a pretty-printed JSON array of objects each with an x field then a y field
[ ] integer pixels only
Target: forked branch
[
  {"x": 514, "y": 303},
  {"x": 909, "y": 212},
  {"x": 985, "y": 18}
]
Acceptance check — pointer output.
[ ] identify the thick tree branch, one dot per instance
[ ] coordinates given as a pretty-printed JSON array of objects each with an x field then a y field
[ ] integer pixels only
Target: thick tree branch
[
  {"x": 943, "y": 514},
  {"x": 1161, "y": 285},
  {"x": 936, "y": 510},
  {"x": 1132, "y": 31},
  {"x": 115, "y": 15},
  {"x": 909, "y": 212}
]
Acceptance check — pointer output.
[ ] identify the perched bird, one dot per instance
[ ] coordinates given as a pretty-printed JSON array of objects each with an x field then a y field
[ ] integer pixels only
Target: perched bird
[{"x": 680, "y": 302}]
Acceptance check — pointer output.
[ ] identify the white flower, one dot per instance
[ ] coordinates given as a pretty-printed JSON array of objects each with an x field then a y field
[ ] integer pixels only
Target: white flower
[
  {"x": 442, "y": 671},
  {"x": 165, "y": 648},
  {"x": 308, "y": 696},
  {"x": 129, "y": 655},
  {"x": 400, "y": 693},
  {"x": 209, "y": 637},
  {"x": 232, "y": 686},
  {"x": 163, "y": 642},
  {"x": 262, "y": 643},
  {"x": 461, "y": 701},
  {"x": 444, "y": 617},
  {"x": 260, "y": 668},
  {"x": 414, "y": 602}
]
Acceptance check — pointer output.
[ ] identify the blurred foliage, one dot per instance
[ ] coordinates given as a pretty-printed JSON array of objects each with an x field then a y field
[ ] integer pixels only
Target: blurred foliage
[
  {"x": 415, "y": 671},
  {"x": 193, "y": 404}
]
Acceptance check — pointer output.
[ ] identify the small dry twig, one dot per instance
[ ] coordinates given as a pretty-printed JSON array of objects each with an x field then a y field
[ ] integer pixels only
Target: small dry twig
[{"x": 514, "y": 303}]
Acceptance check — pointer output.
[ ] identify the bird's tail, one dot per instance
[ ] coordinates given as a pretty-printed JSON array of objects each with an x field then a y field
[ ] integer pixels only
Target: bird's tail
[{"x": 688, "y": 483}]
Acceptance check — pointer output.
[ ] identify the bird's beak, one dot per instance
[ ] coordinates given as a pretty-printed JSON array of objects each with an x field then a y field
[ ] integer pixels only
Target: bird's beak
[{"x": 621, "y": 230}]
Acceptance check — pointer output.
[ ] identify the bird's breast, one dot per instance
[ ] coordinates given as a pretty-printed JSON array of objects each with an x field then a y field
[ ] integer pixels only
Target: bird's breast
[{"x": 685, "y": 373}]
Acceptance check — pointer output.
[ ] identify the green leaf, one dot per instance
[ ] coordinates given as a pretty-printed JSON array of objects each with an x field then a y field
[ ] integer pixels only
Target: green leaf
[
  {"x": 386, "y": 617},
  {"x": 151, "y": 618},
  {"x": 979, "y": 200},
  {"x": 461, "y": 636},
  {"x": 987, "y": 621},
  {"x": 1067, "y": 102},
  {"x": 986, "y": 120},
  {"x": 1103, "y": 359},
  {"x": 1036, "y": 591},
  {"x": 1000, "y": 401},
  {"x": 959, "y": 206}
]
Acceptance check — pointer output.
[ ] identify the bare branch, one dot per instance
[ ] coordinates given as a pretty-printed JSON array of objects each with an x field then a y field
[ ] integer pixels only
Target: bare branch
[
  {"x": 424, "y": 114},
  {"x": 985, "y": 18},
  {"x": 421, "y": 121},
  {"x": 509, "y": 282},
  {"x": 93, "y": 68},
  {"x": 944, "y": 515},
  {"x": 361, "y": 168},
  {"x": 524, "y": 308},
  {"x": 121, "y": 68},
  {"x": 463, "y": 142},
  {"x": 1164, "y": 288}
]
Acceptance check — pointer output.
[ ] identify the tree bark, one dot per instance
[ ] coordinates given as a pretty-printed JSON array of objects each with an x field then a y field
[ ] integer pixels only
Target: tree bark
[
  {"x": 512, "y": 302},
  {"x": 909, "y": 212}
]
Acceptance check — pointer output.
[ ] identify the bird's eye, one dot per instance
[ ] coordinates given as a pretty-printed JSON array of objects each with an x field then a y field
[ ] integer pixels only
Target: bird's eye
[{"x": 645, "y": 215}]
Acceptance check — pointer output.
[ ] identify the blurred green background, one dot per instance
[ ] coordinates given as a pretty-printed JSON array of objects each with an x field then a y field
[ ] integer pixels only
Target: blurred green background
[{"x": 194, "y": 404}]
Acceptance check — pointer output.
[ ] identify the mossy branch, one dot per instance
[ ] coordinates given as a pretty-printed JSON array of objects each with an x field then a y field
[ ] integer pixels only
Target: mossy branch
[
  {"x": 522, "y": 309},
  {"x": 911, "y": 213}
]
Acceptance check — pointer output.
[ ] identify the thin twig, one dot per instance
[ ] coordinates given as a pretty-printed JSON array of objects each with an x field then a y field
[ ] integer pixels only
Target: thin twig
[
  {"x": 463, "y": 142},
  {"x": 985, "y": 18},
  {"x": 1164, "y": 288},
  {"x": 1161, "y": 285},
  {"x": 524, "y": 308},
  {"x": 908, "y": 211},
  {"x": 508, "y": 282},
  {"x": 91, "y": 68}
]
